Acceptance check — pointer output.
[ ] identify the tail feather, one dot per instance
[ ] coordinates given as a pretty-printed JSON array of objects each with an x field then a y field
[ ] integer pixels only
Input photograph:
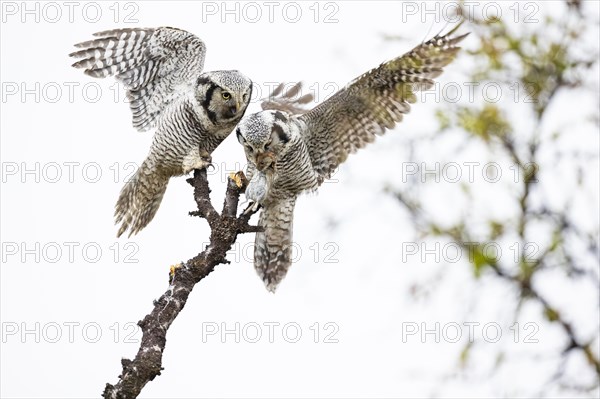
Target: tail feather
[
  {"x": 139, "y": 200},
  {"x": 273, "y": 247}
]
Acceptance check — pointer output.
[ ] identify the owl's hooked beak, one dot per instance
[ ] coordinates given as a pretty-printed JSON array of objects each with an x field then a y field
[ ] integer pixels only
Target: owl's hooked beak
[
  {"x": 233, "y": 110},
  {"x": 265, "y": 161}
]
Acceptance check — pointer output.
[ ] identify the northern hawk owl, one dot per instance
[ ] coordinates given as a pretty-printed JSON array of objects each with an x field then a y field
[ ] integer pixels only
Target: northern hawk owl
[
  {"x": 291, "y": 153},
  {"x": 192, "y": 112}
]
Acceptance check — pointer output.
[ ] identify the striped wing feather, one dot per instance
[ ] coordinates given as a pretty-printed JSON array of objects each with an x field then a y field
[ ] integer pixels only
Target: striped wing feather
[
  {"x": 373, "y": 102},
  {"x": 155, "y": 65}
]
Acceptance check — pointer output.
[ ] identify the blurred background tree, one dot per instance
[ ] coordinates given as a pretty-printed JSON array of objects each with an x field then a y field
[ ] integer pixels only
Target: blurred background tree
[{"x": 535, "y": 232}]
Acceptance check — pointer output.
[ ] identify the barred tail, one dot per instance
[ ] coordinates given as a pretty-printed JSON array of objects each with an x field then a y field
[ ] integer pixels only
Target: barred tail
[
  {"x": 139, "y": 199},
  {"x": 273, "y": 247}
]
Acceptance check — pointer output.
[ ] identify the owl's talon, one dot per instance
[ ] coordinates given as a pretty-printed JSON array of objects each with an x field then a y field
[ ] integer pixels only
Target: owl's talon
[
  {"x": 205, "y": 156},
  {"x": 196, "y": 160},
  {"x": 253, "y": 207}
]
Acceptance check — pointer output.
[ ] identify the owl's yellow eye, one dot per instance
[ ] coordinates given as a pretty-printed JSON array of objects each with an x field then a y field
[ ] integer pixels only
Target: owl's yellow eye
[{"x": 225, "y": 95}]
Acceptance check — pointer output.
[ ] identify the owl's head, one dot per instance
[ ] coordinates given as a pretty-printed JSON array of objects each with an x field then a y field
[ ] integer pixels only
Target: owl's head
[
  {"x": 264, "y": 136},
  {"x": 224, "y": 95}
]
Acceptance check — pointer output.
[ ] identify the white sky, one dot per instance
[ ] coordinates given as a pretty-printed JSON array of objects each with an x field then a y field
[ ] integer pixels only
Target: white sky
[{"x": 365, "y": 294}]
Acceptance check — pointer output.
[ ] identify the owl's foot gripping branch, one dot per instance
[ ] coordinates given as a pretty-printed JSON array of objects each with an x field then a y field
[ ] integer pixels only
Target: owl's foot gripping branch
[{"x": 225, "y": 228}]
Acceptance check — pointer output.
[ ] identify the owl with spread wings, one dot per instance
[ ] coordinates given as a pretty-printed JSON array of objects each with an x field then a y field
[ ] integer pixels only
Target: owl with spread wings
[
  {"x": 292, "y": 152},
  {"x": 191, "y": 112}
]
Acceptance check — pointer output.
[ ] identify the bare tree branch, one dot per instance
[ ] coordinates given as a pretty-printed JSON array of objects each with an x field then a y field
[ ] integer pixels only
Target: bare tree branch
[{"x": 225, "y": 228}]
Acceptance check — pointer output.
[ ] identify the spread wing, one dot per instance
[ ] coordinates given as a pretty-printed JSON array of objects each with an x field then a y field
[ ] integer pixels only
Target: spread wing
[
  {"x": 373, "y": 102},
  {"x": 155, "y": 65}
]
